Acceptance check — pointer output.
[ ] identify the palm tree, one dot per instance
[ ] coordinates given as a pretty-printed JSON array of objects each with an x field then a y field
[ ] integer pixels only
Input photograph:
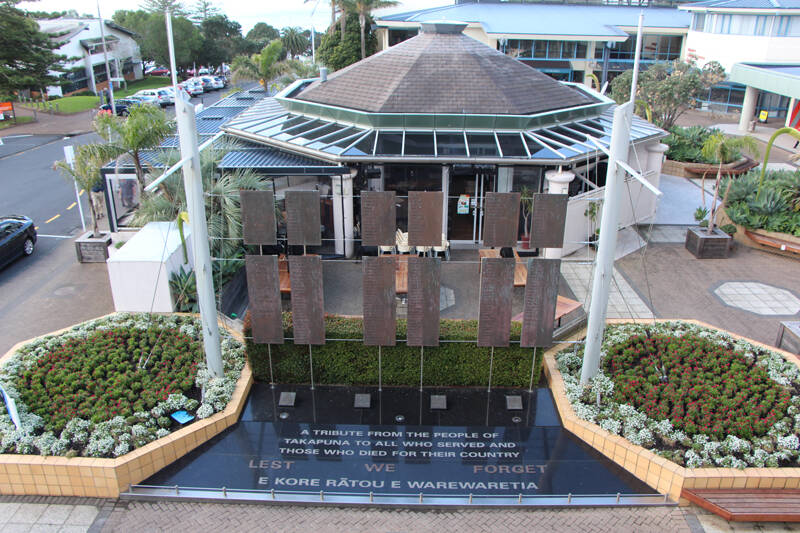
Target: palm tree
[
  {"x": 223, "y": 209},
  {"x": 294, "y": 41},
  {"x": 264, "y": 66},
  {"x": 364, "y": 9},
  {"x": 144, "y": 128},
  {"x": 85, "y": 170},
  {"x": 344, "y": 6},
  {"x": 724, "y": 149}
]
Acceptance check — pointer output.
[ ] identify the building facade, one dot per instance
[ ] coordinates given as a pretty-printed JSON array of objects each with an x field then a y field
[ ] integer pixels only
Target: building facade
[{"x": 81, "y": 42}]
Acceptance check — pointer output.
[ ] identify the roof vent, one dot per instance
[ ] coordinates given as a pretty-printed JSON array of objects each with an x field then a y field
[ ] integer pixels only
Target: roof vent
[
  {"x": 323, "y": 74},
  {"x": 442, "y": 26}
]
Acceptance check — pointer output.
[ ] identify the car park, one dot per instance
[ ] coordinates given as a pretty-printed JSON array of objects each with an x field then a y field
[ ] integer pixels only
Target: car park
[
  {"x": 193, "y": 88},
  {"x": 212, "y": 82},
  {"x": 17, "y": 237}
]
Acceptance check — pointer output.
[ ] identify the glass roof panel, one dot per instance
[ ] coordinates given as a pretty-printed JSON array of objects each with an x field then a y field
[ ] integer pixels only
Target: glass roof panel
[
  {"x": 362, "y": 147},
  {"x": 268, "y": 130},
  {"x": 419, "y": 144},
  {"x": 330, "y": 139},
  {"x": 298, "y": 130},
  {"x": 511, "y": 145},
  {"x": 316, "y": 134},
  {"x": 389, "y": 143},
  {"x": 450, "y": 144},
  {"x": 339, "y": 146},
  {"x": 482, "y": 144},
  {"x": 540, "y": 152}
]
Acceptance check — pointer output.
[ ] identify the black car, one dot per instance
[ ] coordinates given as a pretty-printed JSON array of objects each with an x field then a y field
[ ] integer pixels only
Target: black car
[
  {"x": 17, "y": 237},
  {"x": 122, "y": 105}
]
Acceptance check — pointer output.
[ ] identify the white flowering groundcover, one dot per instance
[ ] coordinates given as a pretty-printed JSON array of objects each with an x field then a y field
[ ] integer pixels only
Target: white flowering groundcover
[
  {"x": 696, "y": 396},
  {"x": 114, "y": 435}
]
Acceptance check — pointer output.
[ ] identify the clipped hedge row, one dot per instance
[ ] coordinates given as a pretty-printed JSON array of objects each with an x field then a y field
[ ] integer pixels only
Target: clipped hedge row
[{"x": 352, "y": 363}]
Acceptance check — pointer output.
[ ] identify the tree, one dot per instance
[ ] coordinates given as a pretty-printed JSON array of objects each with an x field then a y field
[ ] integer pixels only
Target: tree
[
  {"x": 337, "y": 54},
  {"x": 203, "y": 9},
  {"x": 187, "y": 38},
  {"x": 294, "y": 42},
  {"x": 27, "y": 59},
  {"x": 364, "y": 9},
  {"x": 222, "y": 40},
  {"x": 160, "y": 6},
  {"x": 668, "y": 89},
  {"x": 724, "y": 149},
  {"x": 261, "y": 34},
  {"x": 144, "y": 128},
  {"x": 85, "y": 171},
  {"x": 264, "y": 66}
]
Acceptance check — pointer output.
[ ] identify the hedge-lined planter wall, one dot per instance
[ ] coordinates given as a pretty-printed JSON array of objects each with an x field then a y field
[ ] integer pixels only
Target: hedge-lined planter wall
[
  {"x": 106, "y": 478},
  {"x": 353, "y": 363},
  {"x": 659, "y": 473}
]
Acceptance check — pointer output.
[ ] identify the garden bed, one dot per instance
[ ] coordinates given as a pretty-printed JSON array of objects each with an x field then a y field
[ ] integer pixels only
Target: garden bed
[
  {"x": 108, "y": 386},
  {"x": 107, "y": 477},
  {"x": 352, "y": 363},
  {"x": 682, "y": 405}
]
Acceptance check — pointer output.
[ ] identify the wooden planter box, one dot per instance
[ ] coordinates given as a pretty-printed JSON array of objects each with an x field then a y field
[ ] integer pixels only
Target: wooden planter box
[
  {"x": 92, "y": 249},
  {"x": 676, "y": 168},
  {"x": 703, "y": 245}
]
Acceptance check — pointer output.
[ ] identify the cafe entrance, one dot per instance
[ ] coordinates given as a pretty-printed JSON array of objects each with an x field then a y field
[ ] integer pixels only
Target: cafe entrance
[{"x": 466, "y": 201}]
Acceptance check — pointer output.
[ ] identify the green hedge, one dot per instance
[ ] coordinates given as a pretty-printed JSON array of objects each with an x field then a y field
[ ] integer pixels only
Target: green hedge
[{"x": 352, "y": 363}]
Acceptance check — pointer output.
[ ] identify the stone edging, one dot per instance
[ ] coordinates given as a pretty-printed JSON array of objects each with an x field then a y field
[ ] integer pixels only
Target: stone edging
[
  {"x": 657, "y": 472},
  {"x": 106, "y": 478}
]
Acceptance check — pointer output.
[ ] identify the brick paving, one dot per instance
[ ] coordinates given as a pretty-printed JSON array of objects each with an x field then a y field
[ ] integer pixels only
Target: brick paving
[{"x": 178, "y": 516}]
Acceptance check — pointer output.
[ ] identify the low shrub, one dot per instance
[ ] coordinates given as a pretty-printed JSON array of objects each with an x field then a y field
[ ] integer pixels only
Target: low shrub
[
  {"x": 685, "y": 144},
  {"x": 352, "y": 363},
  {"x": 776, "y": 209}
]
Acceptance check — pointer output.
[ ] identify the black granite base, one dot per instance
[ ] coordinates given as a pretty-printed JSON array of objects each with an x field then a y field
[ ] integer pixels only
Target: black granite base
[{"x": 400, "y": 445}]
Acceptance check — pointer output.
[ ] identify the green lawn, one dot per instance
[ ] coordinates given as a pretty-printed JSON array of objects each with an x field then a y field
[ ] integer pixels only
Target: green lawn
[
  {"x": 75, "y": 104},
  {"x": 10, "y": 122}
]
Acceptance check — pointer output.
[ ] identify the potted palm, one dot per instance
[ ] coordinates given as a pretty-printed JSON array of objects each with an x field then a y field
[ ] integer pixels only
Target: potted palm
[
  {"x": 92, "y": 246},
  {"x": 711, "y": 242}
]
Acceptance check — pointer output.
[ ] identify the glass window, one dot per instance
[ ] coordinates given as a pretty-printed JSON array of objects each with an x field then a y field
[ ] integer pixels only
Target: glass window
[
  {"x": 362, "y": 147},
  {"x": 699, "y": 21},
  {"x": 567, "y": 49},
  {"x": 724, "y": 23},
  {"x": 519, "y": 48},
  {"x": 540, "y": 49},
  {"x": 450, "y": 144},
  {"x": 482, "y": 144},
  {"x": 761, "y": 25},
  {"x": 419, "y": 144},
  {"x": 511, "y": 145},
  {"x": 311, "y": 135},
  {"x": 785, "y": 26},
  {"x": 389, "y": 143},
  {"x": 343, "y": 134},
  {"x": 581, "y": 50}
]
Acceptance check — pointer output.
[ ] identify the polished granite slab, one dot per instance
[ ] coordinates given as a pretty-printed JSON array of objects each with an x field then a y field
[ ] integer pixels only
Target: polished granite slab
[{"x": 399, "y": 445}]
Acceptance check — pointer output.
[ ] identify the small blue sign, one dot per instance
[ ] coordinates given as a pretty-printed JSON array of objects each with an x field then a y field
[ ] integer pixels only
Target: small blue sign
[{"x": 181, "y": 417}]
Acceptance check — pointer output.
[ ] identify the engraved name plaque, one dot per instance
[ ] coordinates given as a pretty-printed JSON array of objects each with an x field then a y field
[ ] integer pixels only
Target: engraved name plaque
[
  {"x": 541, "y": 295},
  {"x": 308, "y": 315},
  {"x": 379, "y": 301},
  {"x": 258, "y": 217},
  {"x": 423, "y": 301},
  {"x": 378, "y": 218},
  {"x": 494, "y": 316},
  {"x": 263, "y": 290}
]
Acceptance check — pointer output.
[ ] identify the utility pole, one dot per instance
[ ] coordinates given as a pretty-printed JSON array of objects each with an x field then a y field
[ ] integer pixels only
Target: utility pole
[
  {"x": 193, "y": 185},
  {"x": 105, "y": 58},
  {"x": 609, "y": 221}
]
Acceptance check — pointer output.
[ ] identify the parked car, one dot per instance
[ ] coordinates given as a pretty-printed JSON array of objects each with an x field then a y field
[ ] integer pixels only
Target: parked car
[
  {"x": 184, "y": 93},
  {"x": 222, "y": 79},
  {"x": 157, "y": 96},
  {"x": 213, "y": 82},
  {"x": 158, "y": 71},
  {"x": 194, "y": 89},
  {"x": 17, "y": 237},
  {"x": 123, "y": 105}
]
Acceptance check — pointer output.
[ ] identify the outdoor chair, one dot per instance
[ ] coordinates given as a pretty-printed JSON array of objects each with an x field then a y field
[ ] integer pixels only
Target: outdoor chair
[
  {"x": 443, "y": 249},
  {"x": 423, "y": 250},
  {"x": 402, "y": 243}
]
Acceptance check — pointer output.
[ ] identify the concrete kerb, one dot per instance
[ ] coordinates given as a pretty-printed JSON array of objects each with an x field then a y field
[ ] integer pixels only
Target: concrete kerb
[
  {"x": 657, "y": 472},
  {"x": 106, "y": 478}
]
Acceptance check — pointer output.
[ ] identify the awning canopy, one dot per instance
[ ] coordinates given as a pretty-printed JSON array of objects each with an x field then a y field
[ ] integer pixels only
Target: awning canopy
[
  {"x": 778, "y": 78},
  {"x": 269, "y": 161}
]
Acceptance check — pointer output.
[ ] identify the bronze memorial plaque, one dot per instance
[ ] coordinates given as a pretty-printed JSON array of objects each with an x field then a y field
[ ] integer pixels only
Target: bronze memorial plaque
[
  {"x": 541, "y": 295},
  {"x": 549, "y": 215},
  {"x": 263, "y": 289},
  {"x": 308, "y": 311},
  {"x": 425, "y": 218},
  {"x": 258, "y": 217},
  {"x": 378, "y": 218},
  {"x": 500, "y": 226},
  {"x": 380, "y": 326},
  {"x": 423, "y": 301},
  {"x": 497, "y": 285},
  {"x": 303, "y": 218}
]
